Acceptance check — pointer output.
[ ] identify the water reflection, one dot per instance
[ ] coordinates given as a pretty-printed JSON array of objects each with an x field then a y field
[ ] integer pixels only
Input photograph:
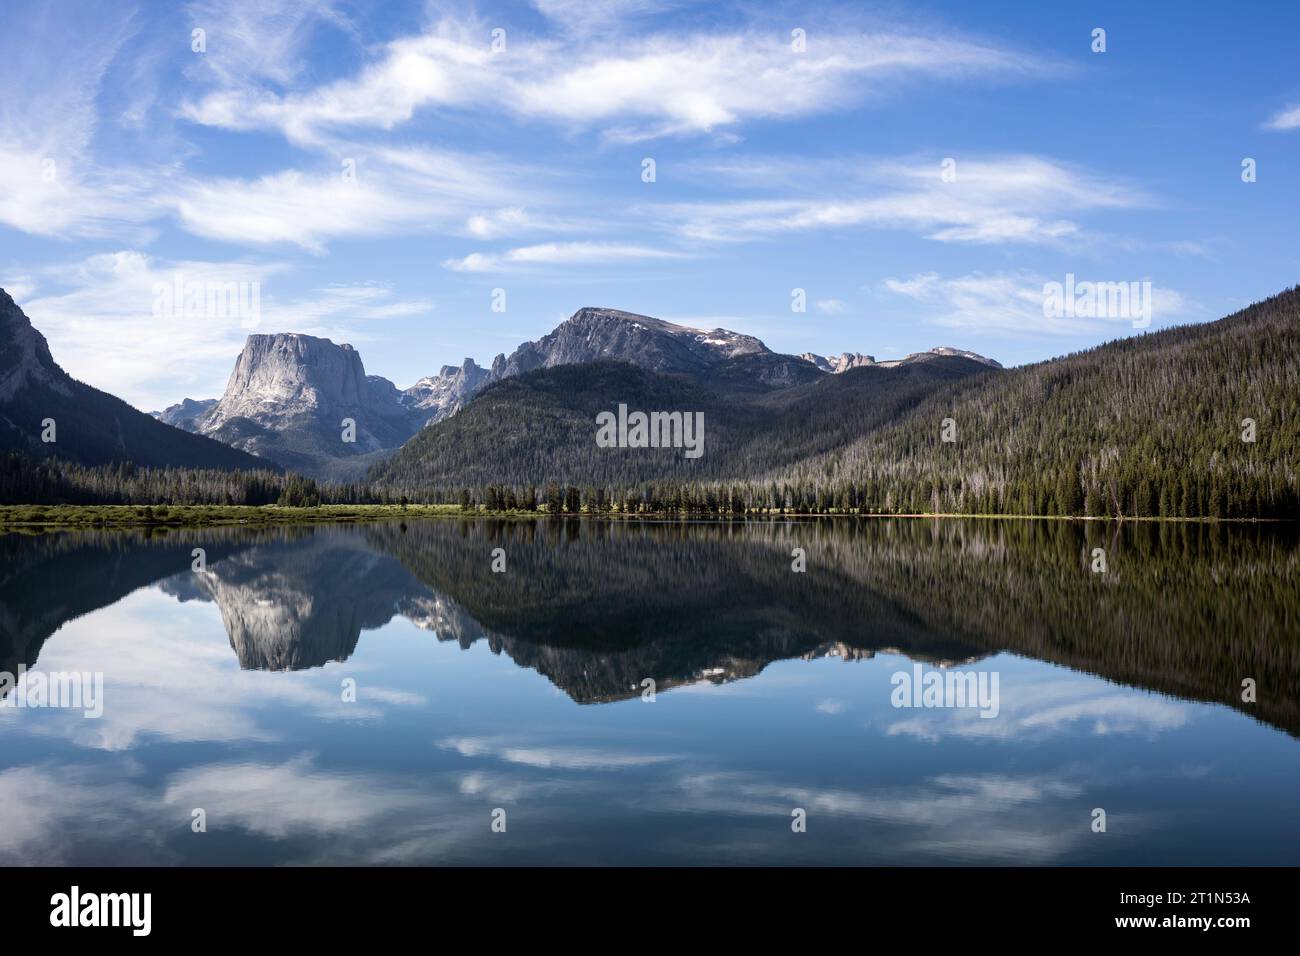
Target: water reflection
[
  {"x": 1188, "y": 609},
  {"x": 290, "y": 772}
]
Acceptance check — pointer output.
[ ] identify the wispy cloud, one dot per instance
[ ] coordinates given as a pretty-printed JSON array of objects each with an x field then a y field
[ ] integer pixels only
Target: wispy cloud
[
  {"x": 556, "y": 253},
  {"x": 1286, "y": 119},
  {"x": 379, "y": 192},
  {"x": 1013, "y": 303},
  {"x": 1052, "y": 708},
  {"x": 1020, "y": 198},
  {"x": 50, "y": 183},
  {"x": 551, "y": 757},
  {"x": 99, "y": 315},
  {"x": 647, "y": 85}
]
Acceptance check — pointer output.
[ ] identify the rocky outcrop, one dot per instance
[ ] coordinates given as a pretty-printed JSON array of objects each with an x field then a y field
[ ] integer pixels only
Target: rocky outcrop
[
  {"x": 185, "y": 413},
  {"x": 848, "y": 360},
  {"x": 290, "y": 399},
  {"x": 287, "y": 375},
  {"x": 943, "y": 350},
  {"x": 844, "y": 362},
  {"x": 594, "y": 334},
  {"x": 443, "y": 394},
  {"x": 25, "y": 359}
]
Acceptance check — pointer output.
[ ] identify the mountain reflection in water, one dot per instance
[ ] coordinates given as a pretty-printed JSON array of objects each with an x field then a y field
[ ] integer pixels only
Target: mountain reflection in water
[
  {"x": 1119, "y": 690},
  {"x": 1187, "y": 609}
]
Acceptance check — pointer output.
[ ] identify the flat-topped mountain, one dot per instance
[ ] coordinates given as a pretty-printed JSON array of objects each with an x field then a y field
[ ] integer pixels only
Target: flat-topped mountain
[{"x": 306, "y": 403}]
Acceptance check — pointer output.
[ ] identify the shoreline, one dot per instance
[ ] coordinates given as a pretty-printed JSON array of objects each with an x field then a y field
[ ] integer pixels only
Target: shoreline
[{"x": 17, "y": 519}]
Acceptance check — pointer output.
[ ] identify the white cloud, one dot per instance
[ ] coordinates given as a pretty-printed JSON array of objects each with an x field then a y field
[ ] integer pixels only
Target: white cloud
[
  {"x": 1013, "y": 303},
  {"x": 99, "y": 317},
  {"x": 259, "y": 39},
  {"x": 555, "y": 253},
  {"x": 55, "y": 194},
  {"x": 515, "y": 221},
  {"x": 50, "y": 184},
  {"x": 393, "y": 190},
  {"x": 976, "y": 817},
  {"x": 995, "y": 200},
  {"x": 649, "y": 85},
  {"x": 1288, "y": 118},
  {"x": 830, "y": 306},
  {"x": 1036, "y": 711},
  {"x": 279, "y": 799},
  {"x": 549, "y": 757},
  {"x": 62, "y": 813},
  {"x": 441, "y": 67},
  {"x": 20, "y": 287}
]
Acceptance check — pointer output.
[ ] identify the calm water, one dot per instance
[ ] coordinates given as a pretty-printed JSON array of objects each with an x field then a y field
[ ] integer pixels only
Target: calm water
[{"x": 523, "y": 691}]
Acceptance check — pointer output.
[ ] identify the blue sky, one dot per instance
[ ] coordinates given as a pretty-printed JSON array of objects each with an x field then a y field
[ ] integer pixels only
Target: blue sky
[{"x": 126, "y": 157}]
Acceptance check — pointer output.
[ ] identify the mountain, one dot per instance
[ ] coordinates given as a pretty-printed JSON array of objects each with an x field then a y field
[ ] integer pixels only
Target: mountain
[
  {"x": 288, "y": 399},
  {"x": 594, "y": 335},
  {"x": 185, "y": 413},
  {"x": 90, "y": 426},
  {"x": 710, "y": 601},
  {"x": 1191, "y": 421},
  {"x": 302, "y": 601},
  {"x": 1196, "y": 420},
  {"x": 289, "y": 393},
  {"x": 848, "y": 360},
  {"x": 589, "y": 335},
  {"x": 760, "y": 410},
  {"x": 601, "y": 334},
  {"x": 834, "y": 365},
  {"x": 444, "y": 394},
  {"x": 942, "y": 350}
]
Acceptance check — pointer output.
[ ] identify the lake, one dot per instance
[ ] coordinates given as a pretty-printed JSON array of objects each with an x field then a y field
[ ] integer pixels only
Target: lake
[{"x": 922, "y": 692}]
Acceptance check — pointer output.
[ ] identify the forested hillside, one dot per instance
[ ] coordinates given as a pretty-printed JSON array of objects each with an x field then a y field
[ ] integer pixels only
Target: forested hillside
[
  {"x": 1146, "y": 426},
  {"x": 1154, "y": 425},
  {"x": 761, "y": 412}
]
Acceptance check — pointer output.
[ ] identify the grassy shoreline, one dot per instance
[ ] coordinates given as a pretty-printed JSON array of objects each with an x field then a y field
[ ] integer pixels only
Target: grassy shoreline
[
  {"x": 41, "y": 518},
  {"x": 19, "y": 518}
]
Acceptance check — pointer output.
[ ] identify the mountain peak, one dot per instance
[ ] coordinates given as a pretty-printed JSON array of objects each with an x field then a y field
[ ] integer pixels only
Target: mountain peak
[
  {"x": 290, "y": 372},
  {"x": 440, "y": 395},
  {"x": 602, "y": 334},
  {"x": 93, "y": 426},
  {"x": 848, "y": 360},
  {"x": 944, "y": 350},
  {"x": 25, "y": 357}
]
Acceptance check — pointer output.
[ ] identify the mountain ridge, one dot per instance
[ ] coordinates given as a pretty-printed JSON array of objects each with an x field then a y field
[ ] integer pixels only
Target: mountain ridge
[
  {"x": 89, "y": 426},
  {"x": 289, "y": 392}
]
